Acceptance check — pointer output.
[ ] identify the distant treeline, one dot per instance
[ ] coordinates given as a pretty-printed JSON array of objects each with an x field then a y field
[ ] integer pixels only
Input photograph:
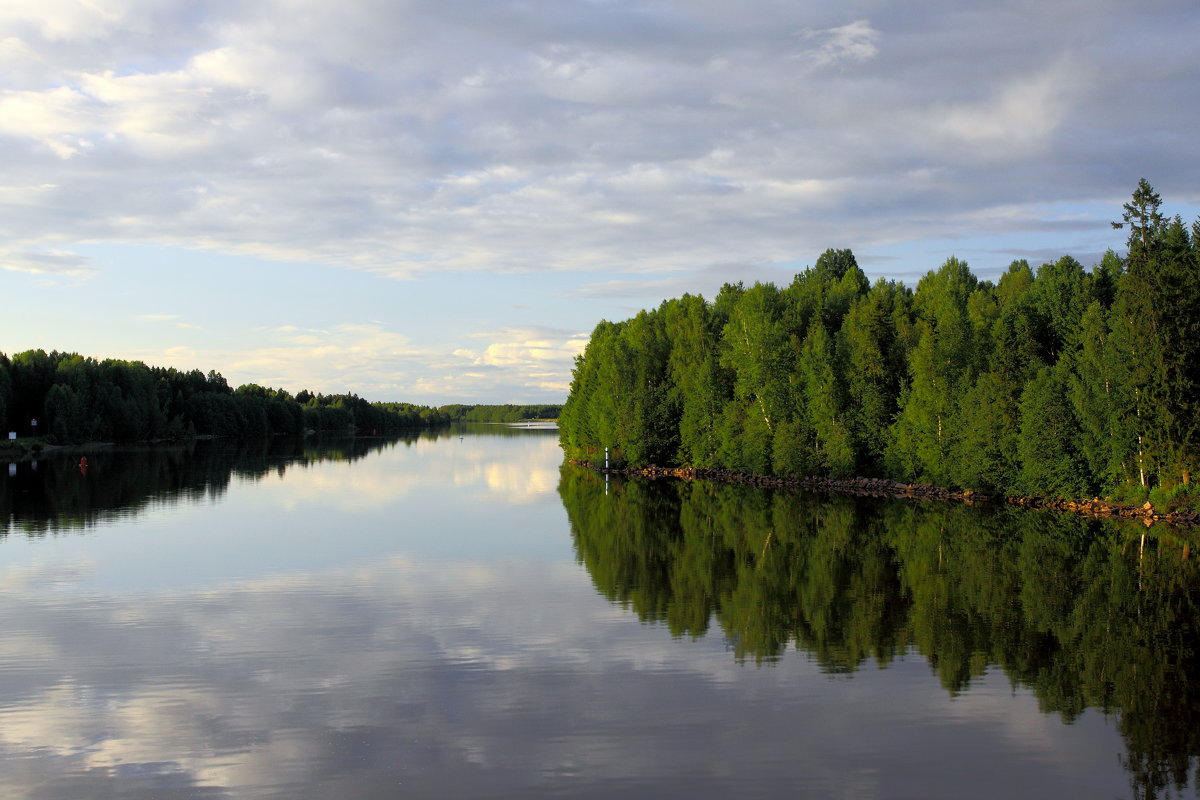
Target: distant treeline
[
  {"x": 77, "y": 399},
  {"x": 1055, "y": 381},
  {"x": 504, "y": 413}
]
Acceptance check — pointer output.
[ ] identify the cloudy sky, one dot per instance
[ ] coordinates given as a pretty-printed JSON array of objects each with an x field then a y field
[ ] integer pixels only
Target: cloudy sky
[{"x": 436, "y": 200}]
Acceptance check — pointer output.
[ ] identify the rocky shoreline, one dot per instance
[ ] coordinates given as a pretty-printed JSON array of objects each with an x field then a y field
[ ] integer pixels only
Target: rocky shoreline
[{"x": 884, "y": 488}]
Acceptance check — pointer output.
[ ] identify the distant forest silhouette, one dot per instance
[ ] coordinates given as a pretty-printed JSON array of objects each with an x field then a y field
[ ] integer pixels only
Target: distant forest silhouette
[{"x": 78, "y": 399}]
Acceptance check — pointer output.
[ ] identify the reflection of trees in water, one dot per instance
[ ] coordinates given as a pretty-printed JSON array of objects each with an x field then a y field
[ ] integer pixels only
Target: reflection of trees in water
[
  {"x": 1086, "y": 613},
  {"x": 53, "y": 494}
]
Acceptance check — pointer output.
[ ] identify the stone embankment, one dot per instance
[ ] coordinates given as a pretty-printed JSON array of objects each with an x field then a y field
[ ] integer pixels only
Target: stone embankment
[{"x": 882, "y": 487}]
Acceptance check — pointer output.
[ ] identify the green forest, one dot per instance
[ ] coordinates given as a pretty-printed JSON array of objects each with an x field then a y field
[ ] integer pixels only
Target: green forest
[
  {"x": 1058, "y": 380},
  {"x": 78, "y": 399},
  {"x": 500, "y": 413}
]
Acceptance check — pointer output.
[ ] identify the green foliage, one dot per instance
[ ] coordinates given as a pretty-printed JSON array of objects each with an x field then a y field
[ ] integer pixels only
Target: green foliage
[
  {"x": 873, "y": 361},
  {"x": 941, "y": 368},
  {"x": 1177, "y": 497},
  {"x": 1050, "y": 459},
  {"x": 621, "y": 395},
  {"x": 1052, "y": 381},
  {"x": 1103, "y": 403},
  {"x": 822, "y": 401},
  {"x": 755, "y": 349},
  {"x": 986, "y": 451},
  {"x": 77, "y": 399},
  {"x": 699, "y": 385},
  {"x": 500, "y": 413}
]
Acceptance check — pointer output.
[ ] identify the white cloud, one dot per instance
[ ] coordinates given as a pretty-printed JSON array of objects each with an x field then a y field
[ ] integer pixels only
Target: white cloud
[
  {"x": 39, "y": 262},
  {"x": 540, "y": 359},
  {"x": 854, "y": 41},
  {"x": 173, "y": 319},
  {"x": 350, "y": 357},
  {"x": 1022, "y": 116},
  {"x": 513, "y": 365}
]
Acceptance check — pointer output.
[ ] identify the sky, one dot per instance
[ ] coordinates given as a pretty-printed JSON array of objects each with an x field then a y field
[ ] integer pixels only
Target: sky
[{"x": 435, "y": 201}]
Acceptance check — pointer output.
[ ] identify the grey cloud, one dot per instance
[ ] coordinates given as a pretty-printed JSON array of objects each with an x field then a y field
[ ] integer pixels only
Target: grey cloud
[
  {"x": 1037, "y": 257},
  {"x": 516, "y": 137},
  {"x": 706, "y": 281}
]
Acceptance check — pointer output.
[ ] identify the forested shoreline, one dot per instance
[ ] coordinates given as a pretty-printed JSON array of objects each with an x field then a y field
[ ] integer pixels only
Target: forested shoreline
[
  {"x": 508, "y": 412},
  {"x": 1058, "y": 381},
  {"x": 79, "y": 399}
]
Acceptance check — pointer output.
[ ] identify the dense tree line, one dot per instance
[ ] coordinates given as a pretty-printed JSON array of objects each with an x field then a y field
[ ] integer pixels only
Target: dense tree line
[
  {"x": 1057, "y": 380},
  {"x": 77, "y": 399},
  {"x": 500, "y": 413},
  {"x": 1086, "y": 613}
]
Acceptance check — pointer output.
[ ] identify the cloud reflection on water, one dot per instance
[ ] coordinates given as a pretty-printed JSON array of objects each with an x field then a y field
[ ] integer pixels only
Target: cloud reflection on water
[
  {"x": 480, "y": 468},
  {"x": 397, "y": 625},
  {"x": 465, "y": 679}
]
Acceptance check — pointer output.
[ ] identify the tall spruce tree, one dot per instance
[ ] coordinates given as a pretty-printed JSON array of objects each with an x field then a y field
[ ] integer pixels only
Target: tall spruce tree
[{"x": 1156, "y": 327}]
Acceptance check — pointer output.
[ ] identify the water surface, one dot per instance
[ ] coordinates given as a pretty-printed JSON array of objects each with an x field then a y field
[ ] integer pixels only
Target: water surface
[{"x": 457, "y": 615}]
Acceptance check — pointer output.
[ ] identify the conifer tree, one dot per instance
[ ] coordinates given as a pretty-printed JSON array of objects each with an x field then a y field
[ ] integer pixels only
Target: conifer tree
[{"x": 1156, "y": 326}]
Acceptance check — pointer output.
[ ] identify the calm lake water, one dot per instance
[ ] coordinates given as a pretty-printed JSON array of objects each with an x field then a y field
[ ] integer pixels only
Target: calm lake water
[{"x": 458, "y": 615}]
